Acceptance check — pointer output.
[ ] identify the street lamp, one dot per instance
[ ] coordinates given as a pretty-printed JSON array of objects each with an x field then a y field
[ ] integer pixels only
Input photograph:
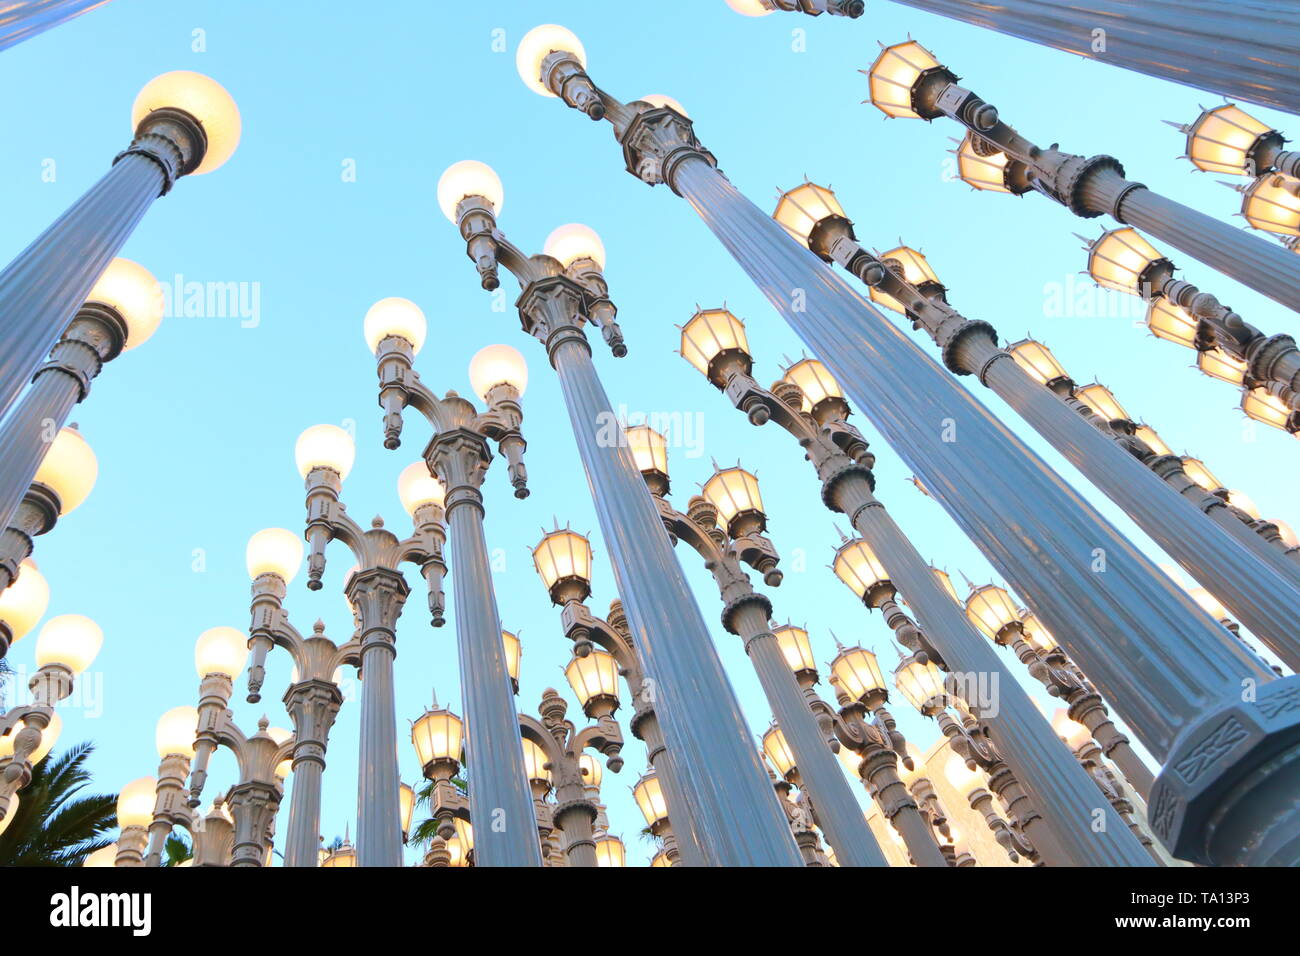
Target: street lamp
[
  {"x": 135, "y": 812},
  {"x": 174, "y": 738},
  {"x": 736, "y": 812}
]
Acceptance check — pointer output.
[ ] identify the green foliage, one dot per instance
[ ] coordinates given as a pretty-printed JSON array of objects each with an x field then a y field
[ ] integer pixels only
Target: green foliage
[{"x": 55, "y": 823}]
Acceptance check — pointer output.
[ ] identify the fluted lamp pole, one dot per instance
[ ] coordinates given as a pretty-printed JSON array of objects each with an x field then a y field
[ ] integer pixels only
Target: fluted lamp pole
[
  {"x": 738, "y": 819},
  {"x": 28, "y": 18},
  {"x": 174, "y": 737}
]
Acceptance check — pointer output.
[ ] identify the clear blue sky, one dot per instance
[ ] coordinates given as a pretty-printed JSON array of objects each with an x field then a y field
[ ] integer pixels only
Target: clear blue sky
[{"x": 195, "y": 430}]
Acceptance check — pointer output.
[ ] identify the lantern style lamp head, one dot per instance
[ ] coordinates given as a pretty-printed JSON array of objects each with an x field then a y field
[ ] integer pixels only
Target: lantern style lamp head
[
  {"x": 1217, "y": 363},
  {"x": 1039, "y": 362},
  {"x": 991, "y": 609},
  {"x": 131, "y": 291},
  {"x": 176, "y": 732},
  {"x": 203, "y": 100},
  {"x": 1195, "y": 469},
  {"x": 1152, "y": 439},
  {"x": 1272, "y": 203},
  {"x": 981, "y": 165},
  {"x": 69, "y": 469},
  {"x": 922, "y": 685},
  {"x": 1229, "y": 140},
  {"x": 221, "y": 650},
  {"x": 536, "y": 767},
  {"x": 1037, "y": 636},
  {"x": 856, "y": 672},
  {"x": 573, "y": 242},
  {"x": 406, "y": 807},
  {"x": 1172, "y": 322},
  {"x": 825, "y": 398},
  {"x": 438, "y": 737},
  {"x": 1099, "y": 398},
  {"x": 734, "y": 493},
  {"x": 325, "y": 446},
  {"x": 136, "y": 802},
  {"x": 497, "y": 365},
  {"x": 398, "y": 317},
  {"x": 1122, "y": 260},
  {"x": 417, "y": 488},
  {"x": 594, "y": 680},
  {"x": 905, "y": 79},
  {"x": 797, "y": 648},
  {"x": 467, "y": 178},
  {"x": 68, "y": 641},
  {"x": 1268, "y": 409},
  {"x": 22, "y": 604},
  {"x": 714, "y": 342},
  {"x": 610, "y": 851},
  {"x": 514, "y": 650},
  {"x": 945, "y": 582},
  {"x": 858, "y": 567},
  {"x": 275, "y": 551},
  {"x": 780, "y": 755},
  {"x": 814, "y": 217},
  {"x": 650, "y": 452},
  {"x": 563, "y": 561},
  {"x": 649, "y": 797},
  {"x": 914, "y": 269}
]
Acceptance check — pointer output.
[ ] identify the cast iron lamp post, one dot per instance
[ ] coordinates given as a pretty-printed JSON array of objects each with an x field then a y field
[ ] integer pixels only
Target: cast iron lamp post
[
  {"x": 737, "y": 819},
  {"x": 174, "y": 737},
  {"x": 313, "y": 699},
  {"x": 459, "y": 455},
  {"x": 438, "y": 738},
  {"x": 184, "y": 123},
  {"x": 907, "y": 81},
  {"x": 65, "y": 646},
  {"x": 135, "y": 814},
  {"x": 725, "y": 526},
  {"x": 377, "y": 592},
  {"x": 1245, "y": 51}
]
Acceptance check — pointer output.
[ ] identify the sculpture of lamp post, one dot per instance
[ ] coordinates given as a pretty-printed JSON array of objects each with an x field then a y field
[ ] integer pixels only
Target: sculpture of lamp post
[
  {"x": 563, "y": 562},
  {"x": 809, "y": 403},
  {"x": 784, "y": 774},
  {"x": 121, "y": 312},
  {"x": 648, "y": 792},
  {"x": 1227, "y": 347},
  {"x": 135, "y": 814},
  {"x": 907, "y": 81},
  {"x": 23, "y": 604},
  {"x": 561, "y": 746},
  {"x": 902, "y": 279},
  {"x": 184, "y": 123},
  {"x": 1240, "y": 51},
  {"x": 65, "y": 647},
  {"x": 738, "y": 819},
  {"x": 174, "y": 736},
  {"x": 973, "y": 784},
  {"x": 459, "y": 455},
  {"x": 725, "y": 526},
  {"x": 19, "y": 22},
  {"x": 313, "y": 699},
  {"x": 377, "y": 592},
  {"x": 916, "y": 778},
  {"x": 212, "y": 835},
  {"x": 62, "y": 482},
  {"x": 438, "y": 737},
  {"x": 991, "y": 609}
]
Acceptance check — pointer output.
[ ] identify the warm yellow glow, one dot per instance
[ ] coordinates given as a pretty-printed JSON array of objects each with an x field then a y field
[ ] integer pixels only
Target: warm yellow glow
[
  {"x": 395, "y": 316},
  {"x": 814, "y": 380},
  {"x": 1217, "y": 363},
  {"x": 69, "y": 640},
  {"x": 1287, "y": 532},
  {"x": 469, "y": 177},
  {"x": 733, "y": 491},
  {"x": 497, "y": 365},
  {"x": 1171, "y": 322},
  {"x": 990, "y": 608},
  {"x": 708, "y": 334},
  {"x": 1037, "y": 359},
  {"x": 1099, "y": 398},
  {"x": 23, "y": 603},
  {"x": 1148, "y": 434},
  {"x": 778, "y": 751},
  {"x": 438, "y": 735},
  {"x": 1037, "y": 636},
  {"x": 131, "y": 290},
  {"x": 1219, "y": 140},
  {"x": 983, "y": 172},
  {"x": 406, "y": 806},
  {"x": 592, "y": 771},
  {"x": 749, "y": 8},
  {"x": 800, "y": 209},
  {"x": 945, "y": 582},
  {"x": 650, "y": 801},
  {"x": 221, "y": 650},
  {"x": 416, "y": 488},
  {"x": 274, "y": 551},
  {"x": 857, "y": 566},
  {"x": 610, "y": 851},
  {"x": 535, "y": 761},
  {"x": 857, "y": 673},
  {"x": 921, "y": 684},
  {"x": 574, "y": 241},
  {"x": 1239, "y": 499},
  {"x": 796, "y": 647},
  {"x": 204, "y": 99},
  {"x": 539, "y": 43},
  {"x": 660, "y": 859},
  {"x": 135, "y": 803},
  {"x": 649, "y": 449},
  {"x": 325, "y": 446},
  {"x": 1118, "y": 258},
  {"x": 69, "y": 468},
  {"x": 893, "y": 75},
  {"x": 916, "y": 272},
  {"x": 1071, "y": 731},
  {"x": 280, "y": 736},
  {"x": 1208, "y": 603},
  {"x": 176, "y": 731},
  {"x": 918, "y": 770},
  {"x": 659, "y": 101},
  {"x": 49, "y": 737},
  {"x": 1196, "y": 470},
  {"x": 1271, "y": 204},
  {"x": 344, "y": 856},
  {"x": 514, "y": 651},
  {"x": 104, "y": 856},
  {"x": 1263, "y": 407},
  {"x": 964, "y": 780},
  {"x": 595, "y": 675},
  {"x": 562, "y": 554}
]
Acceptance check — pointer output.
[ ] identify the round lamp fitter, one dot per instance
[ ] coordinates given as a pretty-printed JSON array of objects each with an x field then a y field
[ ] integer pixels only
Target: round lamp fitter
[
  {"x": 130, "y": 290},
  {"x": 69, "y": 469},
  {"x": 539, "y": 43},
  {"x": 70, "y": 641},
  {"x": 275, "y": 551},
  {"x": 395, "y": 316},
  {"x": 417, "y": 488},
  {"x": 221, "y": 650},
  {"x": 467, "y": 178},
  {"x": 176, "y": 732},
  {"x": 136, "y": 802},
  {"x": 204, "y": 99},
  {"x": 325, "y": 446},
  {"x": 23, "y": 603},
  {"x": 574, "y": 241},
  {"x": 497, "y": 365}
]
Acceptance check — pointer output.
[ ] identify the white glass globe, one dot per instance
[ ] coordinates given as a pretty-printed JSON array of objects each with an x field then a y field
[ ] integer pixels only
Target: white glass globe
[
  {"x": 469, "y": 177},
  {"x": 203, "y": 98},
  {"x": 132, "y": 291},
  {"x": 274, "y": 551},
  {"x": 416, "y": 487},
  {"x": 136, "y": 802},
  {"x": 23, "y": 603},
  {"x": 325, "y": 446},
  {"x": 539, "y": 43},
  {"x": 495, "y": 365},
  {"x": 575, "y": 241},
  {"x": 220, "y": 650},
  {"x": 749, "y": 8},
  {"x": 70, "y": 468},
  {"x": 70, "y": 640},
  {"x": 176, "y": 731},
  {"x": 395, "y": 316}
]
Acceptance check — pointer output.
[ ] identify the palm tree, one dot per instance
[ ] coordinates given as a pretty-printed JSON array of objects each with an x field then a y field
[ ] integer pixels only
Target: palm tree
[
  {"x": 176, "y": 851},
  {"x": 422, "y": 833},
  {"x": 54, "y": 824}
]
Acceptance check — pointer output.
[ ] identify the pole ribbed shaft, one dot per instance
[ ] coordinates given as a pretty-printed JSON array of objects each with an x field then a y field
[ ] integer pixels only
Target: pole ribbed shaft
[
  {"x": 302, "y": 843},
  {"x": 22, "y": 21},
  {"x": 379, "y": 815}
]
